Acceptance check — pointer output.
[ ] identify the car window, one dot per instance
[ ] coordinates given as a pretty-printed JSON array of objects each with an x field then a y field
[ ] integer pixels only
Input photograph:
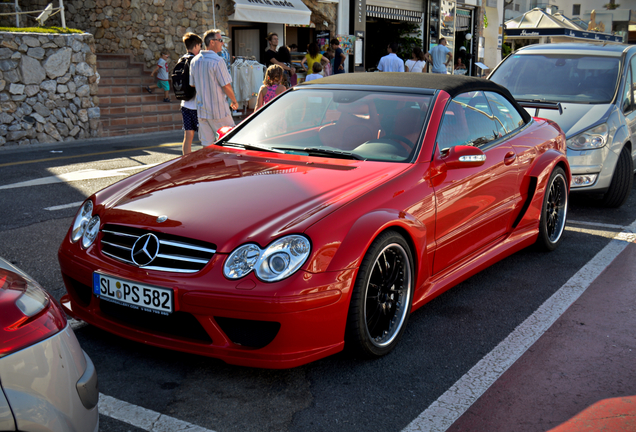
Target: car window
[
  {"x": 559, "y": 77},
  {"x": 632, "y": 79},
  {"x": 468, "y": 120},
  {"x": 507, "y": 117},
  {"x": 373, "y": 125},
  {"x": 627, "y": 102}
]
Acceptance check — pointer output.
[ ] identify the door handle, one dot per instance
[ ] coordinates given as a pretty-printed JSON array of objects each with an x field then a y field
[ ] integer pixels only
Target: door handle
[{"x": 510, "y": 158}]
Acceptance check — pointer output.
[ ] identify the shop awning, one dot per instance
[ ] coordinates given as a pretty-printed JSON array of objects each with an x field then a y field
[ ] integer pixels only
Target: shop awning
[{"x": 271, "y": 11}]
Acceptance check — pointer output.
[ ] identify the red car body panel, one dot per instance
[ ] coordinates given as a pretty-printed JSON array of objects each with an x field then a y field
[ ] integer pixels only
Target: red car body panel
[{"x": 457, "y": 222}]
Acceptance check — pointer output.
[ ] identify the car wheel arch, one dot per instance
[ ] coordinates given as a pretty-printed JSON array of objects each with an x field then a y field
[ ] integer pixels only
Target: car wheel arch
[
  {"x": 350, "y": 252},
  {"x": 544, "y": 165}
]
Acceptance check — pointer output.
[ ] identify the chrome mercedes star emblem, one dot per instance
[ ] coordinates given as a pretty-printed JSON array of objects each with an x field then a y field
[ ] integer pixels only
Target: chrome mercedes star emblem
[
  {"x": 145, "y": 249},
  {"x": 162, "y": 218}
]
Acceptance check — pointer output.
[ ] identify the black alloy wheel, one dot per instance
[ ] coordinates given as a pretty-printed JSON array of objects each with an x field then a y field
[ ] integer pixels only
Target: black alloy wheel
[
  {"x": 381, "y": 300},
  {"x": 554, "y": 211}
]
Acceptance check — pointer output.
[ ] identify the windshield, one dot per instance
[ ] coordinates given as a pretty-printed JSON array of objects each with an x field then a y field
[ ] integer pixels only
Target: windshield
[
  {"x": 357, "y": 124},
  {"x": 559, "y": 78}
]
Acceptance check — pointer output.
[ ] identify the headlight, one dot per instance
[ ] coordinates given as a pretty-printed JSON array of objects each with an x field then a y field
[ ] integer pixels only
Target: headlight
[
  {"x": 82, "y": 218},
  {"x": 279, "y": 260},
  {"x": 241, "y": 261},
  {"x": 590, "y": 139},
  {"x": 90, "y": 232}
]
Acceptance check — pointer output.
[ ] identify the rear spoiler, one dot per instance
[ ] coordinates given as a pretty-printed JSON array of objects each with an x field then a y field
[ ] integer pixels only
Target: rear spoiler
[{"x": 541, "y": 105}]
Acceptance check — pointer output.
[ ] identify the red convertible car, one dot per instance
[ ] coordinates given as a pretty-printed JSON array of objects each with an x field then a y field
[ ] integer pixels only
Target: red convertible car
[{"x": 324, "y": 219}]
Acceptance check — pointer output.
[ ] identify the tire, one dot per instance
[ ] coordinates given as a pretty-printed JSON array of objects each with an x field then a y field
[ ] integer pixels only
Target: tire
[
  {"x": 554, "y": 211},
  {"x": 382, "y": 295},
  {"x": 622, "y": 180}
]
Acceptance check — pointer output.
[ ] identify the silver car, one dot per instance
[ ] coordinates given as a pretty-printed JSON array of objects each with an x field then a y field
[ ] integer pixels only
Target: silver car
[
  {"x": 47, "y": 382},
  {"x": 589, "y": 90}
]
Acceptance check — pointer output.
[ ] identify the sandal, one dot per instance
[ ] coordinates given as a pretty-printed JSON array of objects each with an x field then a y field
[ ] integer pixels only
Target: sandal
[
  {"x": 148, "y": 89},
  {"x": 166, "y": 100}
]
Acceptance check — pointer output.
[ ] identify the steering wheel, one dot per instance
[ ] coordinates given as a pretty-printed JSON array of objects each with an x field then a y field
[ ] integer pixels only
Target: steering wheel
[{"x": 404, "y": 141}]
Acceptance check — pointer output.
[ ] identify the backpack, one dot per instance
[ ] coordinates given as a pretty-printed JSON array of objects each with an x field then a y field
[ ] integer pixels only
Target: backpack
[{"x": 181, "y": 79}]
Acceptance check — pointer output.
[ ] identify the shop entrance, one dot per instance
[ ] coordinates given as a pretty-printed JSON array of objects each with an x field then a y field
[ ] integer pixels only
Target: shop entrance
[
  {"x": 248, "y": 40},
  {"x": 380, "y": 32}
]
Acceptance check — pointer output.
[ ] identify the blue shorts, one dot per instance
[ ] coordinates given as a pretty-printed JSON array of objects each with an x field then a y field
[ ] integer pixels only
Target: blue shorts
[
  {"x": 190, "y": 119},
  {"x": 163, "y": 85}
]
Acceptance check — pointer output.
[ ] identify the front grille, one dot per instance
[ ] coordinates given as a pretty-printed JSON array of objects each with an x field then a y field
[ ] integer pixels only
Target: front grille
[
  {"x": 176, "y": 254},
  {"x": 180, "y": 324},
  {"x": 249, "y": 333}
]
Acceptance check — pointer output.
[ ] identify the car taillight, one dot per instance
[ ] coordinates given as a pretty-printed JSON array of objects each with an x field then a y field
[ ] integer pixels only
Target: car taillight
[{"x": 27, "y": 313}]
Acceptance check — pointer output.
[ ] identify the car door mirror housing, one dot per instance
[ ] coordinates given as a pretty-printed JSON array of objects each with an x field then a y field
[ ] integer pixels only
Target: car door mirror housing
[
  {"x": 221, "y": 132},
  {"x": 463, "y": 156}
]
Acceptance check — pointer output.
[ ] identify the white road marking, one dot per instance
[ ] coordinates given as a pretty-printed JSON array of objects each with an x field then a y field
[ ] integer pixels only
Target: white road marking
[
  {"x": 450, "y": 406},
  {"x": 76, "y": 324},
  {"x": 64, "y": 206},
  {"x": 87, "y": 174},
  {"x": 598, "y": 224},
  {"x": 143, "y": 418}
]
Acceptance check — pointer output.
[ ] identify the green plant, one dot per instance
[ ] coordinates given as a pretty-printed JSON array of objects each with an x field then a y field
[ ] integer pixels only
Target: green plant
[
  {"x": 53, "y": 30},
  {"x": 505, "y": 50},
  {"x": 409, "y": 36}
]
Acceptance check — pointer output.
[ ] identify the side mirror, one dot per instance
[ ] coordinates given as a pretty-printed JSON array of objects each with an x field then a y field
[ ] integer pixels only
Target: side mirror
[
  {"x": 463, "y": 157},
  {"x": 223, "y": 131}
]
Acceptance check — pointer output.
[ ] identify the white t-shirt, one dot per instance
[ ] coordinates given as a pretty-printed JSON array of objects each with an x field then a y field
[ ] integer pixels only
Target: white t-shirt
[
  {"x": 415, "y": 66},
  {"x": 163, "y": 73},
  {"x": 313, "y": 77}
]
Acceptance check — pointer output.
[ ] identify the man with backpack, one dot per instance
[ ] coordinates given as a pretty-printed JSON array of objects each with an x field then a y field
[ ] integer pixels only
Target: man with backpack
[
  {"x": 209, "y": 75},
  {"x": 185, "y": 92}
]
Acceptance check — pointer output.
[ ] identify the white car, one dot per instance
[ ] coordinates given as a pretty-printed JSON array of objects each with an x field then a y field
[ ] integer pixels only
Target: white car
[
  {"x": 47, "y": 382},
  {"x": 589, "y": 90}
]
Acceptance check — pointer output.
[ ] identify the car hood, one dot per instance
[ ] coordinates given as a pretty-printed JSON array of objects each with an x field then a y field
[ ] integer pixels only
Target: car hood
[
  {"x": 228, "y": 198},
  {"x": 576, "y": 118}
]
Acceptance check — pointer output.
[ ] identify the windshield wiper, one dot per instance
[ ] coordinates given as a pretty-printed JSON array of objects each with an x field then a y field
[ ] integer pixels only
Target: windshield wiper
[
  {"x": 317, "y": 151},
  {"x": 251, "y": 147}
]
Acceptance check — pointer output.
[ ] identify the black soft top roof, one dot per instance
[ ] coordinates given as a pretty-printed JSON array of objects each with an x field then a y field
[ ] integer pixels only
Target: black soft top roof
[{"x": 451, "y": 84}]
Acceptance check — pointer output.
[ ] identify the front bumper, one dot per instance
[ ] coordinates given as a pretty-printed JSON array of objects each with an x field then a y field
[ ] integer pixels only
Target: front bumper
[
  {"x": 41, "y": 384},
  {"x": 245, "y": 322},
  {"x": 601, "y": 162}
]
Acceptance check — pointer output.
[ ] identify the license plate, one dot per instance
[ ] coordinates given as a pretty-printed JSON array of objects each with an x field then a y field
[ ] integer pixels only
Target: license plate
[{"x": 133, "y": 294}]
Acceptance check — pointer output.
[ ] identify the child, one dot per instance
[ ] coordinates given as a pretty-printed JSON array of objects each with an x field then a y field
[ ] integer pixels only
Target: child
[
  {"x": 328, "y": 69},
  {"x": 317, "y": 68},
  {"x": 163, "y": 75},
  {"x": 193, "y": 44},
  {"x": 271, "y": 86}
]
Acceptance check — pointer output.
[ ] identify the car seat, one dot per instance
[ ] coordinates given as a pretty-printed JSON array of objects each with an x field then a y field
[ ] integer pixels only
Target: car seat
[{"x": 357, "y": 124}]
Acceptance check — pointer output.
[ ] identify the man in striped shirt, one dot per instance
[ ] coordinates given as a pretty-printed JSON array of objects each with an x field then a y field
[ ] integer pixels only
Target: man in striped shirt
[{"x": 209, "y": 75}]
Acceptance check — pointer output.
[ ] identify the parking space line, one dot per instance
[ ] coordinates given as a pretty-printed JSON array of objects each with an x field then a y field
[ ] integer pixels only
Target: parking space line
[
  {"x": 597, "y": 224},
  {"x": 64, "y": 206},
  {"x": 143, "y": 418},
  {"x": 88, "y": 174},
  {"x": 88, "y": 154},
  {"x": 450, "y": 406}
]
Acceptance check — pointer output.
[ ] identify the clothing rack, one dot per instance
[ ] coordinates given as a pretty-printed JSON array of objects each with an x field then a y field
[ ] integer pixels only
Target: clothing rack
[{"x": 247, "y": 78}]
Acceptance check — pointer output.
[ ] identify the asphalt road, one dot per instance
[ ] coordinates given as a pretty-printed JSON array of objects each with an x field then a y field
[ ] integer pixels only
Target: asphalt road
[{"x": 444, "y": 339}]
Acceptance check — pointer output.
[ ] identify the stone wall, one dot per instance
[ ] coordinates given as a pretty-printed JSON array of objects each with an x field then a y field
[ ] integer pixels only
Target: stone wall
[
  {"x": 48, "y": 88},
  {"x": 143, "y": 27}
]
